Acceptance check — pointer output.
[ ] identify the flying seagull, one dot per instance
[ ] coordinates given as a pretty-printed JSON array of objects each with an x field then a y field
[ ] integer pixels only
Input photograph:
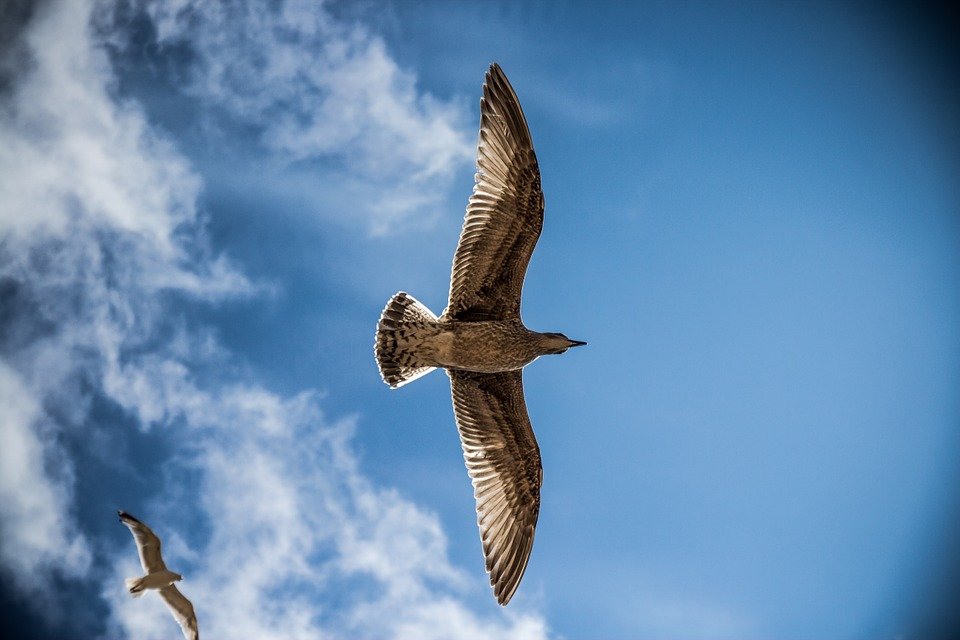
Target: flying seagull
[
  {"x": 159, "y": 577},
  {"x": 480, "y": 339}
]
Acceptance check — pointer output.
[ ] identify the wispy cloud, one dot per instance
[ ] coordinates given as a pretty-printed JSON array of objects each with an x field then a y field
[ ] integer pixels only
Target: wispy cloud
[
  {"x": 262, "y": 503},
  {"x": 300, "y": 542},
  {"x": 317, "y": 88},
  {"x": 35, "y": 527},
  {"x": 96, "y": 214}
]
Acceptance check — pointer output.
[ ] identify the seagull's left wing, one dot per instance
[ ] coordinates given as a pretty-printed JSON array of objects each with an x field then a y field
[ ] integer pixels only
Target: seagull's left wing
[
  {"x": 503, "y": 460},
  {"x": 182, "y": 610},
  {"x": 504, "y": 215},
  {"x": 148, "y": 544}
]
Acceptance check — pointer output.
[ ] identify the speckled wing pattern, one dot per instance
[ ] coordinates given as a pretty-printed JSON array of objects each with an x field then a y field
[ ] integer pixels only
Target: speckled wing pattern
[
  {"x": 503, "y": 461},
  {"x": 504, "y": 215},
  {"x": 182, "y": 610},
  {"x": 148, "y": 544}
]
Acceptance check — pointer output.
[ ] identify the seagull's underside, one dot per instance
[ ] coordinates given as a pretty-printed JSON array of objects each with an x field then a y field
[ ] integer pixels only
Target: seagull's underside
[{"x": 480, "y": 339}]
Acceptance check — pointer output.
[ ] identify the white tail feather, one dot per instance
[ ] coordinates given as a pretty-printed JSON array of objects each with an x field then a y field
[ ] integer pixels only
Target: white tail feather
[{"x": 134, "y": 586}]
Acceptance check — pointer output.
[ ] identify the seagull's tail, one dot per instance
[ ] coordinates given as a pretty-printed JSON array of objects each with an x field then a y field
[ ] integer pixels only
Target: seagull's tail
[
  {"x": 397, "y": 339},
  {"x": 134, "y": 586}
]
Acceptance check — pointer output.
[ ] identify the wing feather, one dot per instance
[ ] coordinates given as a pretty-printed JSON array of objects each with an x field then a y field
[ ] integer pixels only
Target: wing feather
[
  {"x": 148, "y": 544},
  {"x": 503, "y": 461},
  {"x": 504, "y": 215}
]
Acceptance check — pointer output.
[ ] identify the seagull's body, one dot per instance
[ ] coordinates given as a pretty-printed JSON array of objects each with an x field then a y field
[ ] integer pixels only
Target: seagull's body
[
  {"x": 156, "y": 580},
  {"x": 158, "y": 577},
  {"x": 480, "y": 339},
  {"x": 484, "y": 346}
]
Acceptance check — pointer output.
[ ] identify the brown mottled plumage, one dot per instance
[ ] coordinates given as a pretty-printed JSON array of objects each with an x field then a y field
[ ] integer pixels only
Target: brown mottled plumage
[{"x": 480, "y": 339}]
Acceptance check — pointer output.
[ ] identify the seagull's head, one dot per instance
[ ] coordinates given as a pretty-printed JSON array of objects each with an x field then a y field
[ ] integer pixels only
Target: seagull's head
[{"x": 557, "y": 342}]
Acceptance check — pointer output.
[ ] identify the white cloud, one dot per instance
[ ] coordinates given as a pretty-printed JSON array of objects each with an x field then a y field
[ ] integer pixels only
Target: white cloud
[
  {"x": 300, "y": 543},
  {"x": 98, "y": 223},
  {"x": 316, "y": 87},
  {"x": 91, "y": 205},
  {"x": 75, "y": 165},
  {"x": 35, "y": 528}
]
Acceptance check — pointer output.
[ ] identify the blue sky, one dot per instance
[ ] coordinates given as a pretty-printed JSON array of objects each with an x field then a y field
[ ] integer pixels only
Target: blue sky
[{"x": 752, "y": 217}]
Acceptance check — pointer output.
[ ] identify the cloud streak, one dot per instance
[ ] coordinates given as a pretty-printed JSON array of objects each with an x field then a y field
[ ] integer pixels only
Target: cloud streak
[
  {"x": 315, "y": 88},
  {"x": 102, "y": 248},
  {"x": 300, "y": 541},
  {"x": 34, "y": 523}
]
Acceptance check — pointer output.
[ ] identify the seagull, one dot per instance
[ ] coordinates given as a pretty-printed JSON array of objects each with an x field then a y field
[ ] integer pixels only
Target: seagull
[
  {"x": 480, "y": 340},
  {"x": 159, "y": 577}
]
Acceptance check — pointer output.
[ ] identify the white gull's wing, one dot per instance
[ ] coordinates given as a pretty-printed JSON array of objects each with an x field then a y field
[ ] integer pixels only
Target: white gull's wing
[
  {"x": 182, "y": 610},
  {"x": 148, "y": 544}
]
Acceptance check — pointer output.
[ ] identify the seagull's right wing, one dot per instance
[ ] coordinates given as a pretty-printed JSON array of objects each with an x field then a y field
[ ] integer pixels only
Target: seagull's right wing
[
  {"x": 503, "y": 460},
  {"x": 182, "y": 610},
  {"x": 504, "y": 215},
  {"x": 148, "y": 544}
]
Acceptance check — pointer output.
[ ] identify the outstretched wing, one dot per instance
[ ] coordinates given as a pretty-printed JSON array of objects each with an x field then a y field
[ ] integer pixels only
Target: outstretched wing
[
  {"x": 504, "y": 215},
  {"x": 503, "y": 461},
  {"x": 182, "y": 610},
  {"x": 148, "y": 544}
]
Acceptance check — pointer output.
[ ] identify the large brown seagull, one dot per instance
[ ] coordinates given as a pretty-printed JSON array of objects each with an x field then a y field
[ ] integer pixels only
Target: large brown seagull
[{"x": 480, "y": 339}]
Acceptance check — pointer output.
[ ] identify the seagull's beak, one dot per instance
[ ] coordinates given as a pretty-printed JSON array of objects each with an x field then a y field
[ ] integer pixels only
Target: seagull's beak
[{"x": 576, "y": 343}]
